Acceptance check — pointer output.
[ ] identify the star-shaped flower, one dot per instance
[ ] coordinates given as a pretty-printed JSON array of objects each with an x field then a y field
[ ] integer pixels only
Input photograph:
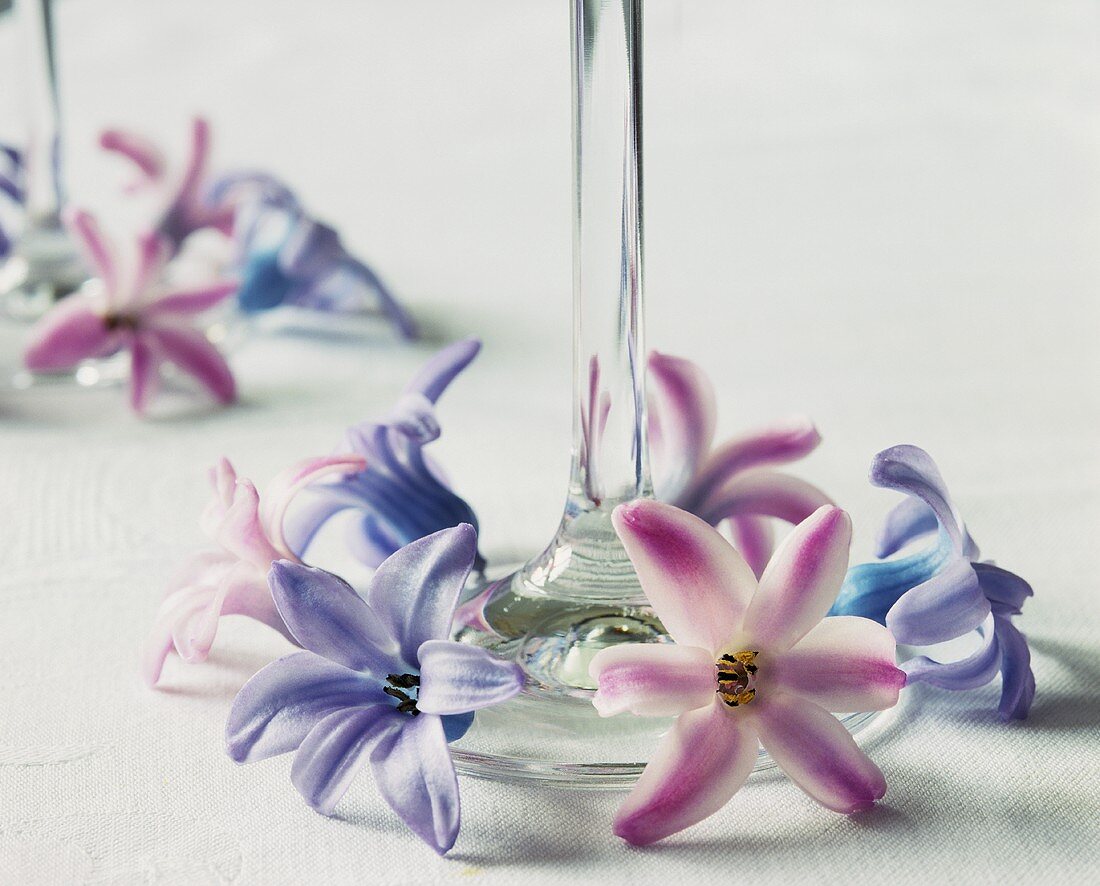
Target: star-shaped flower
[
  {"x": 402, "y": 495},
  {"x": 752, "y": 663},
  {"x": 129, "y": 310},
  {"x": 381, "y": 684},
  {"x": 944, "y": 591},
  {"x": 232, "y": 579},
  {"x": 730, "y": 482}
]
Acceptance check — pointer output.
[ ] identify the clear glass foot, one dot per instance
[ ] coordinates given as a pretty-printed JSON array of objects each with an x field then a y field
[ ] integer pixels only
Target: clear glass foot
[{"x": 43, "y": 269}]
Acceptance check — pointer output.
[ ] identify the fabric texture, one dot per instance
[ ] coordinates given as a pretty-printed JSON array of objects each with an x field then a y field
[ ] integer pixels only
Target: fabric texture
[{"x": 883, "y": 216}]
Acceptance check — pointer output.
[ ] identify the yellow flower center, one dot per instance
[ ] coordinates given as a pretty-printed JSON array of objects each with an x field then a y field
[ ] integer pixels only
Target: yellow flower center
[{"x": 736, "y": 677}]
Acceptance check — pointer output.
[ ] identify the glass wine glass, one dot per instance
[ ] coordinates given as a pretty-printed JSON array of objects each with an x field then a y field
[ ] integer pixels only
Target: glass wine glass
[
  {"x": 44, "y": 265},
  {"x": 580, "y": 594}
]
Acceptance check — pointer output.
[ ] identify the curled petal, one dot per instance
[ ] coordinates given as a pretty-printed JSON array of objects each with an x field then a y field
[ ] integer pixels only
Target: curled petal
[
  {"x": 966, "y": 673},
  {"x": 682, "y": 418},
  {"x": 413, "y": 769},
  {"x": 843, "y": 664},
  {"x": 437, "y": 374},
  {"x": 456, "y": 678},
  {"x": 69, "y": 333},
  {"x": 780, "y": 443},
  {"x": 697, "y": 767},
  {"x": 192, "y": 353},
  {"x": 145, "y": 155},
  {"x": 817, "y": 753},
  {"x": 332, "y": 753},
  {"x": 1006, "y": 590},
  {"x": 414, "y": 592},
  {"x": 1017, "y": 678},
  {"x": 275, "y": 710},
  {"x": 389, "y": 304},
  {"x": 94, "y": 246},
  {"x": 694, "y": 579},
  {"x": 754, "y": 538},
  {"x": 240, "y": 530},
  {"x": 282, "y": 490},
  {"x": 908, "y": 520},
  {"x": 948, "y": 605},
  {"x": 223, "y": 485},
  {"x": 311, "y": 511},
  {"x": 188, "y": 302},
  {"x": 768, "y": 493},
  {"x": 870, "y": 589},
  {"x": 326, "y": 616},
  {"x": 652, "y": 679},
  {"x": 801, "y": 582},
  {"x": 911, "y": 470}
]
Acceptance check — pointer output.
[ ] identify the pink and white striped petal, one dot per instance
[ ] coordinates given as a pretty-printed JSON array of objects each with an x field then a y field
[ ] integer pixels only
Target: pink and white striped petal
[
  {"x": 844, "y": 664},
  {"x": 145, "y": 155},
  {"x": 801, "y": 582},
  {"x": 817, "y": 752},
  {"x": 241, "y": 531},
  {"x": 698, "y": 766},
  {"x": 754, "y": 537},
  {"x": 144, "y": 374},
  {"x": 652, "y": 679},
  {"x": 768, "y": 493},
  {"x": 188, "y": 302},
  {"x": 694, "y": 579},
  {"x": 682, "y": 417},
  {"x": 193, "y": 354},
  {"x": 71, "y": 332},
  {"x": 95, "y": 247}
]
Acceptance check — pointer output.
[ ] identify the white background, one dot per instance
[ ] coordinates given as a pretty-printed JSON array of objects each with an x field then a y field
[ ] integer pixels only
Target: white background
[{"x": 883, "y": 214}]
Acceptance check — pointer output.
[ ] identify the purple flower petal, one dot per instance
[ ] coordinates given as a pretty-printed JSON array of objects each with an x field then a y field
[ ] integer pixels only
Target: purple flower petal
[
  {"x": 145, "y": 155},
  {"x": 843, "y": 664},
  {"x": 817, "y": 753},
  {"x": 754, "y": 537},
  {"x": 682, "y": 417},
  {"x": 911, "y": 470},
  {"x": 694, "y": 579},
  {"x": 188, "y": 302},
  {"x": 414, "y": 593},
  {"x": 326, "y": 616},
  {"x": 69, "y": 333},
  {"x": 413, "y": 769},
  {"x": 652, "y": 679},
  {"x": 777, "y": 444},
  {"x": 767, "y": 493},
  {"x": 311, "y": 511},
  {"x": 94, "y": 246},
  {"x": 801, "y": 582},
  {"x": 970, "y": 672},
  {"x": 190, "y": 351},
  {"x": 456, "y": 678},
  {"x": 946, "y": 606},
  {"x": 275, "y": 710},
  {"x": 1006, "y": 590},
  {"x": 434, "y": 377},
  {"x": 1017, "y": 678},
  {"x": 698, "y": 766},
  {"x": 332, "y": 753},
  {"x": 144, "y": 375},
  {"x": 311, "y": 249},
  {"x": 909, "y": 519}
]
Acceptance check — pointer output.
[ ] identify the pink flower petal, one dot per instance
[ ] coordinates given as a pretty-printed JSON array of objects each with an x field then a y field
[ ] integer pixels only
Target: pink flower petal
[
  {"x": 844, "y": 664},
  {"x": 69, "y": 333},
  {"x": 94, "y": 245},
  {"x": 697, "y": 583},
  {"x": 190, "y": 351},
  {"x": 801, "y": 582},
  {"x": 652, "y": 679},
  {"x": 241, "y": 531},
  {"x": 188, "y": 190},
  {"x": 754, "y": 537},
  {"x": 682, "y": 417},
  {"x": 767, "y": 493},
  {"x": 282, "y": 490},
  {"x": 223, "y": 485},
  {"x": 144, "y": 374},
  {"x": 188, "y": 302},
  {"x": 145, "y": 155},
  {"x": 152, "y": 253},
  {"x": 817, "y": 752},
  {"x": 698, "y": 766},
  {"x": 777, "y": 444}
]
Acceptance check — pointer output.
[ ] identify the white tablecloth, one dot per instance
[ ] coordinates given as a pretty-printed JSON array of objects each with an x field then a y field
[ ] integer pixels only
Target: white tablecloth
[{"x": 886, "y": 215}]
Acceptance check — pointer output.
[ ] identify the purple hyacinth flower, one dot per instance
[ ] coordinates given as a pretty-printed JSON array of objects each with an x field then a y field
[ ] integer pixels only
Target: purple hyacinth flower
[
  {"x": 380, "y": 682},
  {"x": 11, "y": 186},
  {"x": 942, "y": 592},
  {"x": 402, "y": 495}
]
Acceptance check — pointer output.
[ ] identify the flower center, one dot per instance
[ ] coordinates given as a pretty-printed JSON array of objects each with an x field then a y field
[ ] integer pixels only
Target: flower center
[
  {"x": 403, "y": 687},
  {"x": 120, "y": 321},
  {"x": 737, "y": 677}
]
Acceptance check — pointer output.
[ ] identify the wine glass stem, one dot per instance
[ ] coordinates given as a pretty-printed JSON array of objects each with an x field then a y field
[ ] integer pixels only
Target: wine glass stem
[
  {"x": 610, "y": 456},
  {"x": 43, "y": 155}
]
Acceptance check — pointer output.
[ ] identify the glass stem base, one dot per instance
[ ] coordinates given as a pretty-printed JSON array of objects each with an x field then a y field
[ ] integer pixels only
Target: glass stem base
[{"x": 44, "y": 268}]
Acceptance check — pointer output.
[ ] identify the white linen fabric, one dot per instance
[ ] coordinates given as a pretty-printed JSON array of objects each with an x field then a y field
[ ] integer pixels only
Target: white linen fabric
[{"x": 885, "y": 215}]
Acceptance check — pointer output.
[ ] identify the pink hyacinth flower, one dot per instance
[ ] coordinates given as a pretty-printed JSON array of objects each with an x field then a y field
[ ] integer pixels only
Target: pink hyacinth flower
[
  {"x": 130, "y": 311},
  {"x": 184, "y": 199},
  {"x": 753, "y": 663},
  {"x": 232, "y": 579},
  {"x": 730, "y": 482}
]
